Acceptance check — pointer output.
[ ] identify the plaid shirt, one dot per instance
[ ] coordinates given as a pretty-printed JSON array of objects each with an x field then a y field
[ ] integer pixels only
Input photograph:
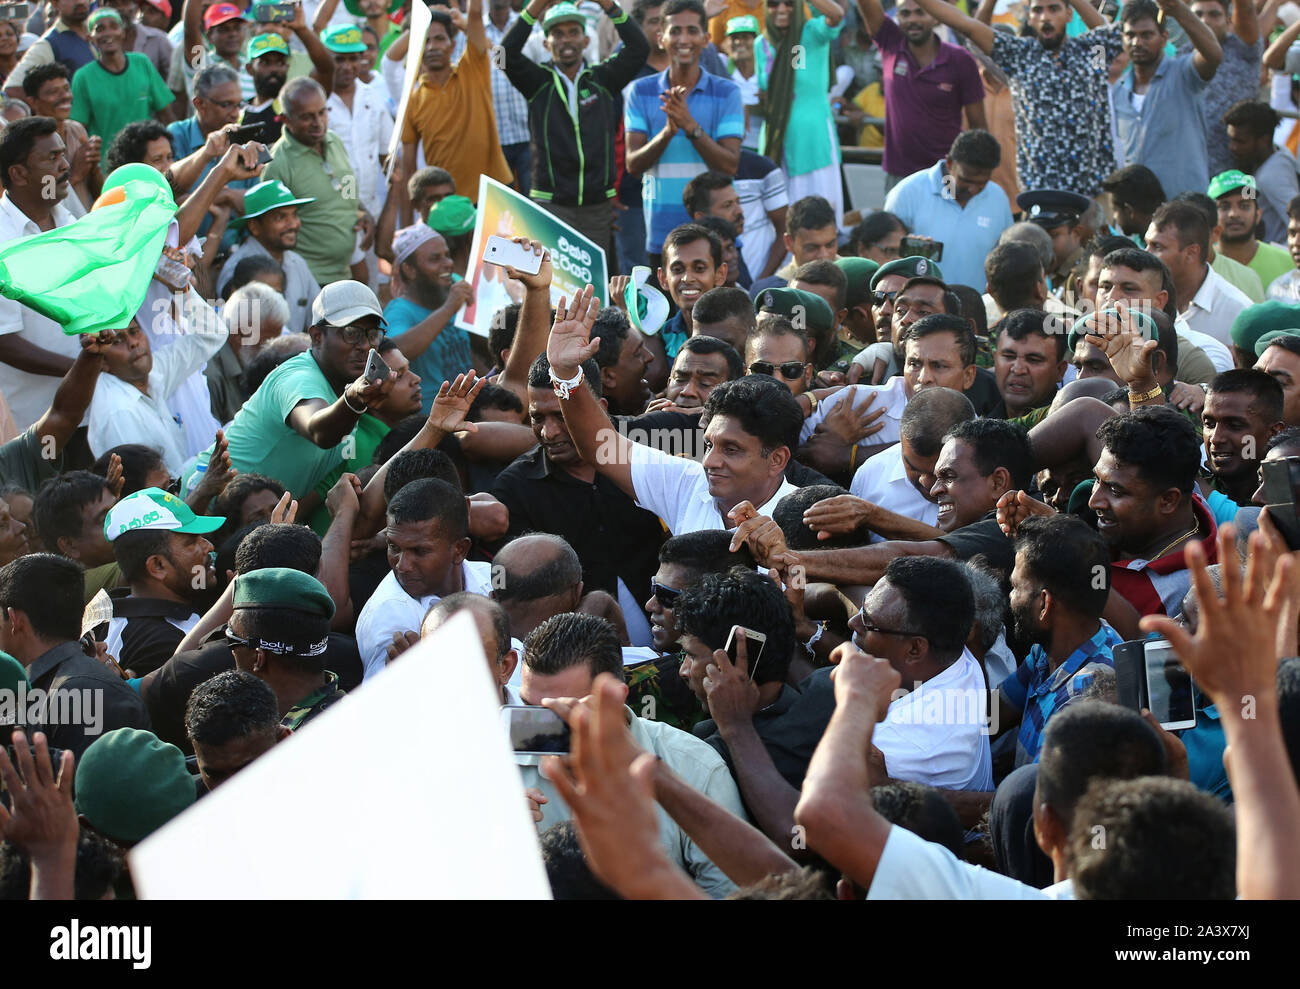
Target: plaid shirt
[
  {"x": 1039, "y": 693},
  {"x": 510, "y": 106}
]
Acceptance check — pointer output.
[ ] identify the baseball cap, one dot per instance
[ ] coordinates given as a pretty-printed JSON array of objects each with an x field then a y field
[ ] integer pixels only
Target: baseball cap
[
  {"x": 341, "y": 303},
  {"x": 1230, "y": 181},
  {"x": 103, "y": 13},
  {"x": 748, "y": 24},
  {"x": 647, "y": 309},
  {"x": 219, "y": 13},
  {"x": 343, "y": 38},
  {"x": 162, "y": 5},
  {"x": 561, "y": 13},
  {"x": 266, "y": 196},
  {"x": 452, "y": 216},
  {"x": 154, "y": 508},
  {"x": 913, "y": 267},
  {"x": 264, "y": 44}
]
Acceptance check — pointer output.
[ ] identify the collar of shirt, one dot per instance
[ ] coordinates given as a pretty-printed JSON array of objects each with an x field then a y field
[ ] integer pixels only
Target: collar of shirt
[
  {"x": 1174, "y": 561},
  {"x": 1046, "y": 683},
  {"x": 702, "y": 85},
  {"x": 127, "y": 606},
  {"x": 768, "y": 507},
  {"x": 52, "y": 658},
  {"x": 1126, "y": 80},
  {"x": 1208, "y": 292},
  {"x": 25, "y": 226}
]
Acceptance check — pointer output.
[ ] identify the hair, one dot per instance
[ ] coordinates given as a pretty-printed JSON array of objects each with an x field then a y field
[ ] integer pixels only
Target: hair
[
  {"x": 689, "y": 233},
  {"x": 947, "y": 323},
  {"x": 1162, "y": 444},
  {"x": 998, "y": 443},
  {"x": 809, "y": 213},
  {"x": 429, "y": 500},
  {"x": 555, "y": 576},
  {"x": 209, "y": 78},
  {"x": 233, "y": 704},
  {"x": 1136, "y": 186},
  {"x": 1071, "y": 757},
  {"x": 301, "y": 85},
  {"x": 1139, "y": 260},
  {"x": 717, "y": 305},
  {"x": 1293, "y": 208},
  {"x": 705, "y": 551},
  {"x": 130, "y": 145},
  {"x": 724, "y": 229},
  {"x": 937, "y": 600},
  {"x": 788, "y": 514},
  {"x": 454, "y": 604},
  {"x": 744, "y": 597},
  {"x": 39, "y": 75},
  {"x": 990, "y": 599},
  {"x": 242, "y": 487},
  {"x": 1026, "y": 232},
  {"x": 58, "y": 505},
  {"x": 1022, "y": 323},
  {"x": 47, "y": 588},
  {"x": 929, "y": 416},
  {"x": 19, "y": 139},
  {"x": 138, "y": 461},
  {"x": 1187, "y": 219},
  {"x": 712, "y": 345},
  {"x": 699, "y": 191},
  {"x": 1289, "y": 343},
  {"x": 410, "y": 466},
  {"x": 279, "y": 544},
  {"x": 99, "y": 864},
  {"x": 271, "y": 356},
  {"x": 824, "y": 272},
  {"x": 566, "y": 640},
  {"x": 1208, "y": 207},
  {"x": 771, "y": 324},
  {"x": 539, "y": 374},
  {"x": 1163, "y": 839},
  {"x": 428, "y": 176},
  {"x": 501, "y": 334},
  {"x": 1255, "y": 116},
  {"x": 1103, "y": 245},
  {"x": 247, "y": 270},
  {"x": 1287, "y": 437},
  {"x": 1265, "y": 393},
  {"x": 133, "y": 550},
  {"x": 681, "y": 6},
  {"x": 1288, "y": 703},
  {"x": 978, "y": 149},
  {"x": 287, "y": 625},
  {"x": 874, "y": 228},
  {"x": 806, "y": 882},
  {"x": 1142, "y": 10},
  {"x": 252, "y": 303},
  {"x": 921, "y": 810},
  {"x": 640, "y": 8},
  {"x": 1012, "y": 270},
  {"x": 762, "y": 406},
  {"x": 612, "y": 327},
  {"x": 1066, "y": 556},
  {"x": 567, "y": 870},
  {"x": 493, "y": 396}
]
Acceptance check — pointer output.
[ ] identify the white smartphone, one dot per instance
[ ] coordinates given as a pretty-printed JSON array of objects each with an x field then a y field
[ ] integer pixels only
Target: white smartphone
[
  {"x": 1169, "y": 687},
  {"x": 502, "y": 251},
  {"x": 754, "y": 643},
  {"x": 535, "y": 730}
]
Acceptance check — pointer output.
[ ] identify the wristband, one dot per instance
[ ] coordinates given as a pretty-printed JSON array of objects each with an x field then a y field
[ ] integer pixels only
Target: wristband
[
  {"x": 812, "y": 402},
  {"x": 1146, "y": 396},
  {"x": 853, "y": 456},
  {"x": 563, "y": 389}
]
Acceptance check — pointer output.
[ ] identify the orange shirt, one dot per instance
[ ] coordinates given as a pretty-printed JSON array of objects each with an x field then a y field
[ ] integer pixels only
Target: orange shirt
[
  {"x": 735, "y": 8},
  {"x": 457, "y": 124}
]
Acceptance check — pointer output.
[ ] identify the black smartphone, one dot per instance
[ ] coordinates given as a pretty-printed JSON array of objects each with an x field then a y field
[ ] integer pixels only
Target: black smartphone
[
  {"x": 921, "y": 247},
  {"x": 247, "y": 132},
  {"x": 535, "y": 730},
  {"x": 263, "y": 157},
  {"x": 1281, "y": 477},
  {"x": 1149, "y": 675},
  {"x": 273, "y": 13}
]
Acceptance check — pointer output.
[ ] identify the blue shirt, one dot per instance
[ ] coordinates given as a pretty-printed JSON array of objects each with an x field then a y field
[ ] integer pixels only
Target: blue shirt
[
  {"x": 1168, "y": 135},
  {"x": 967, "y": 233},
  {"x": 445, "y": 358},
  {"x": 1040, "y": 694},
  {"x": 716, "y": 106},
  {"x": 187, "y": 138},
  {"x": 674, "y": 334}
]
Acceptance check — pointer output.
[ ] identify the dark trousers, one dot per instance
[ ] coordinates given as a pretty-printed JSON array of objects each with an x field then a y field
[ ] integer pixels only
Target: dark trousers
[{"x": 520, "y": 159}]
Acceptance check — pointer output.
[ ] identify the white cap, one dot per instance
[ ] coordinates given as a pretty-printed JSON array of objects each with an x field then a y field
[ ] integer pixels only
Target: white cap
[{"x": 341, "y": 303}]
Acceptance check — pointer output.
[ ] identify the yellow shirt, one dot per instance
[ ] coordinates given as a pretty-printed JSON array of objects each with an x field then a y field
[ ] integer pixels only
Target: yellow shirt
[
  {"x": 735, "y": 8},
  {"x": 457, "y": 124}
]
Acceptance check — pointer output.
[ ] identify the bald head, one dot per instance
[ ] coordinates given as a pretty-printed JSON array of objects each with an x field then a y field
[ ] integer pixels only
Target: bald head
[
  {"x": 1097, "y": 388},
  {"x": 930, "y": 413},
  {"x": 295, "y": 90},
  {"x": 493, "y": 627},
  {"x": 535, "y": 567}
]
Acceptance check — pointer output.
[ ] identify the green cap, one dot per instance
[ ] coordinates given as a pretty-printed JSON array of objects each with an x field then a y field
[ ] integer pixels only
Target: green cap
[
  {"x": 343, "y": 38},
  {"x": 909, "y": 268},
  {"x": 154, "y": 508},
  {"x": 796, "y": 304},
  {"x": 101, "y": 14},
  {"x": 130, "y": 783},
  {"x": 1082, "y": 326},
  {"x": 452, "y": 216},
  {"x": 12, "y": 673},
  {"x": 748, "y": 24},
  {"x": 266, "y": 196},
  {"x": 264, "y": 44},
  {"x": 858, "y": 271},
  {"x": 354, "y": 8},
  {"x": 1262, "y": 344},
  {"x": 1254, "y": 321},
  {"x": 1229, "y": 181},
  {"x": 283, "y": 587},
  {"x": 561, "y": 13}
]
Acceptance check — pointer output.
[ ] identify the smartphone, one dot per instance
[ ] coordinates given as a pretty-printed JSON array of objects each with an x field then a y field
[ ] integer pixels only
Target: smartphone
[
  {"x": 1169, "y": 687},
  {"x": 273, "y": 13},
  {"x": 247, "y": 132},
  {"x": 535, "y": 730},
  {"x": 1281, "y": 478},
  {"x": 15, "y": 11},
  {"x": 377, "y": 368},
  {"x": 919, "y": 247},
  {"x": 754, "y": 643},
  {"x": 502, "y": 251},
  {"x": 263, "y": 157}
]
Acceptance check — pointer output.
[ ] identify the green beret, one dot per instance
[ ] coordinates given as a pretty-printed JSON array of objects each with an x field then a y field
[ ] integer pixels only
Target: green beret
[
  {"x": 130, "y": 783},
  {"x": 12, "y": 673},
  {"x": 909, "y": 268},
  {"x": 1081, "y": 326},
  {"x": 452, "y": 216},
  {"x": 283, "y": 587},
  {"x": 794, "y": 303},
  {"x": 1254, "y": 321},
  {"x": 1262, "y": 344}
]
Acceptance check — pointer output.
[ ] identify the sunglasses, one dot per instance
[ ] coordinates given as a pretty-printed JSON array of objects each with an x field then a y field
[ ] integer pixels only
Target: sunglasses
[
  {"x": 880, "y": 298},
  {"x": 666, "y": 595},
  {"x": 354, "y": 333},
  {"x": 869, "y": 626},
  {"x": 789, "y": 369}
]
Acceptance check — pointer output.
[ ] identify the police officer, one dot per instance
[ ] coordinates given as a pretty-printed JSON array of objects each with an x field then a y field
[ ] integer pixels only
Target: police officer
[{"x": 1058, "y": 212}]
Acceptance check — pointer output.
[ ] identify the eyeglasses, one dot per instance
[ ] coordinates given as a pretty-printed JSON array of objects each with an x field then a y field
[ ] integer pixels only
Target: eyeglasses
[
  {"x": 234, "y": 641},
  {"x": 667, "y": 596},
  {"x": 789, "y": 369},
  {"x": 278, "y": 648},
  {"x": 880, "y": 298},
  {"x": 226, "y": 105},
  {"x": 354, "y": 333},
  {"x": 869, "y": 626}
]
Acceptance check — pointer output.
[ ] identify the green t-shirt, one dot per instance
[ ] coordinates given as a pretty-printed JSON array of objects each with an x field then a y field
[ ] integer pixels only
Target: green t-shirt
[
  {"x": 1270, "y": 262},
  {"x": 105, "y": 102},
  {"x": 367, "y": 436},
  {"x": 327, "y": 239},
  {"x": 22, "y": 461}
]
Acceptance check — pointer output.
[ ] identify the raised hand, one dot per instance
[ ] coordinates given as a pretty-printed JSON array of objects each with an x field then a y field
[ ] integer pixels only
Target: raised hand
[
  {"x": 838, "y": 516},
  {"x": 344, "y": 496},
  {"x": 861, "y": 679},
  {"x": 1016, "y": 506},
  {"x": 732, "y": 693},
  {"x": 286, "y": 509},
  {"x": 453, "y": 402},
  {"x": 540, "y": 281},
  {"x": 41, "y": 819},
  {"x": 459, "y": 295},
  {"x": 1128, "y": 351},
  {"x": 570, "y": 342},
  {"x": 115, "y": 479}
]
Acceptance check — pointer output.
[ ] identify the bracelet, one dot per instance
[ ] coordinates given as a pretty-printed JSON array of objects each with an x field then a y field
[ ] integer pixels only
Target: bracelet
[
  {"x": 808, "y": 646},
  {"x": 361, "y": 411},
  {"x": 812, "y": 402},
  {"x": 563, "y": 389},
  {"x": 1145, "y": 396},
  {"x": 853, "y": 456}
]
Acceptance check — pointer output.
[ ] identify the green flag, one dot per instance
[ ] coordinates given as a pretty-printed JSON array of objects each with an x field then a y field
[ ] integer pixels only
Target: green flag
[{"x": 93, "y": 274}]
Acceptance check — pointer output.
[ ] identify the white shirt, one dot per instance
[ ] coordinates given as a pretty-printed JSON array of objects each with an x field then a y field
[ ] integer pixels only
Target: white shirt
[
  {"x": 29, "y": 395},
  {"x": 892, "y": 394},
  {"x": 937, "y": 733},
  {"x": 882, "y": 481},
  {"x": 365, "y": 131},
  {"x": 1213, "y": 308},
  {"x": 121, "y": 413},
  {"x": 676, "y": 490},
  {"x": 1219, "y": 355},
  {"x": 390, "y": 610},
  {"x": 911, "y": 868},
  {"x": 1285, "y": 287}
]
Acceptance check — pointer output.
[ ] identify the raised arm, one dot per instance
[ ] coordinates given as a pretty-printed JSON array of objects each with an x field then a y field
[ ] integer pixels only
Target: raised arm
[
  {"x": 533, "y": 326},
  {"x": 1245, "y": 22},
  {"x": 471, "y": 23},
  {"x": 72, "y": 397},
  {"x": 321, "y": 59},
  {"x": 1090, "y": 15},
  {"x": 873, "y": 14},
  {"x": 1208, "y": 54},
  {"x": 195, "y": 43},
  {"x": 323, "y": 15},
  {"x": 1275, "y": 54},
  {"x": 830, "y": 10},
  {"x": 946, "y": 13}
]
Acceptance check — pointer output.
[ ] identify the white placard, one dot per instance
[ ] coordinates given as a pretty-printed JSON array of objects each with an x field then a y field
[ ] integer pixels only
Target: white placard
[{"x": 420, "y": 21}]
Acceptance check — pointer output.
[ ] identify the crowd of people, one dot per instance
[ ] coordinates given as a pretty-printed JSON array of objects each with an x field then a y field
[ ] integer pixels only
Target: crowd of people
[{"x": 836, "y": 573}]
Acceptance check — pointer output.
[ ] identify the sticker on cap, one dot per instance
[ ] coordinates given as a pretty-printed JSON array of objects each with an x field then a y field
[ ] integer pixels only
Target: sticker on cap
[
  {"x": 922, "y": 267},
  {"x": 647, "y": 309}
]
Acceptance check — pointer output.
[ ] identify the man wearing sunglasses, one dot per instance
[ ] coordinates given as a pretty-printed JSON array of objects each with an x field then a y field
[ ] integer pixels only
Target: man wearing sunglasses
[{"x": 780, "y": 351}]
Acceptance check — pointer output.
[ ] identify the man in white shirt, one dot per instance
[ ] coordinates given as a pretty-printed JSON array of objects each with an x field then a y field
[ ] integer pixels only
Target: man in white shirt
[
  {"x": 428, "y": 537},
  {"x": 35, "y": 353},
  {"x": 359, "y": 116},
  {"x": 130, "y": 403}
]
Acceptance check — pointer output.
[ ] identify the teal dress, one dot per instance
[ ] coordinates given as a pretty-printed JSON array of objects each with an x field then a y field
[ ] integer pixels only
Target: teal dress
[{"x": 810, "y": 142}]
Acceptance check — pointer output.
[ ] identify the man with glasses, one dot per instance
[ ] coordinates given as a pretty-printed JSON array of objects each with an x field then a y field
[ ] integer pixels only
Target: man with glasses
[
  {"x": 216, "y": 108},
  {"x": 294, "y": 425},
  {"x": 780, "y": 351}
]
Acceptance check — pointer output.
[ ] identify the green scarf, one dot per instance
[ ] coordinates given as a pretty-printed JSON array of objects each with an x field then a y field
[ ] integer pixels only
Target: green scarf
[{"x": 778, "y": 97}]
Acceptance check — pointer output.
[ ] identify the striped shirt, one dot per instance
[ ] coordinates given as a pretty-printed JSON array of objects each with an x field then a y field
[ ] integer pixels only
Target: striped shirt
[{"x": 510, "y": 106}]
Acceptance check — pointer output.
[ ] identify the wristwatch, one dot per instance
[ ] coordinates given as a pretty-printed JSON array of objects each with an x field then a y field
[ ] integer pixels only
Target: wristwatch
[{"x": 696, "y": 134}]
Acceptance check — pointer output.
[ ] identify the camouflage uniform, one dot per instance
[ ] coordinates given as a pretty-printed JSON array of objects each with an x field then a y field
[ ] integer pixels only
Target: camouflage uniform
[
  {"x": 314, "y": 703},
  {"x": 657, "y": 692}
]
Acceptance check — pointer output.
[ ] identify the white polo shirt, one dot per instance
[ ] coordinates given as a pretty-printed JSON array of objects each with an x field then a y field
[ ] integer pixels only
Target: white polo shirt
[
  {"x": 937, "y": 732},
  {"x": 365, "y": 131},
  {"x": 676, "y": 490},
  {"x": 390, "y": 610},
  {"x": 882, "y": 481},
  {"x": 911, "y": 868},
  {"x": 1213, "y": 308},
  {"x": 892, "y": 394}
]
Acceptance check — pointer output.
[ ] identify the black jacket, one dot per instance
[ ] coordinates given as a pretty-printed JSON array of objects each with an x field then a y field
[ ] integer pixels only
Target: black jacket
[{"x": 574, "y": 161}]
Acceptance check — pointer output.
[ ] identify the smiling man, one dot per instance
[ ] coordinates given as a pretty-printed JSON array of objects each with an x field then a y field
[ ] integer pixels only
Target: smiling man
[
  {"x": 1243, "y": 411},
  {"x": 692, "y": 265},
  {"x": 1240, "y": 213}
]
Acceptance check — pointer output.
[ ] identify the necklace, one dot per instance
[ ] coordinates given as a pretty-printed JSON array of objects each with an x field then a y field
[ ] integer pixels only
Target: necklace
[{"x": 1194, "y": 530}]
